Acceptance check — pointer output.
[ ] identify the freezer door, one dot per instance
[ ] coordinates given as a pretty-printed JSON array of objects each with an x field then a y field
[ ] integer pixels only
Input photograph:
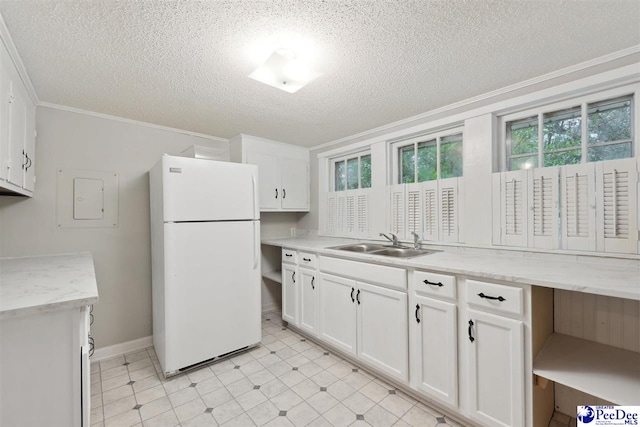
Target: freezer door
[
  {"x": 212, "y": 290},
  {"x": 208, "y": 190}
]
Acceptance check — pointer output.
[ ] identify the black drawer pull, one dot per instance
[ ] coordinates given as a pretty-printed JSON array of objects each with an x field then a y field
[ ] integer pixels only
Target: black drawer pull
[
  {"x": 276, "y": 193},
  {"x": 499, "y": 298},
  {"x": 358, "y": 296},
  {"x": 471, "y": 338},
  {"x": 284, "y": 193},
  {"x": 417, "y": 308},
  {"x": 352, "y": 299},
  {"x": 293, "y": 277},
  {"x": 313, "y": 279},
  {"x": 439, "y": 284},
  {"x": 288, "y": 255},
  {"x": 306, "y": 259}
]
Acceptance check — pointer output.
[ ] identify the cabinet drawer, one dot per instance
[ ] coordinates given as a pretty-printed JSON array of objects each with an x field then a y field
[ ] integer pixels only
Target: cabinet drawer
[
  {"x": 390, "y": 277},
  {"x": 435, "y": 284},
  {"x": 289, "y": 255},
  {"x": 306, "y": 259},
  {"x": 502, "y": 298}
]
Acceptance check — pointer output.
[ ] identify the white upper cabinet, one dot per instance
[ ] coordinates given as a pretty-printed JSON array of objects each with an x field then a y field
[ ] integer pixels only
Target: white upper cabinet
[
  {"x": 17, "y": 130},
  {"x": 283, "y": 172}
]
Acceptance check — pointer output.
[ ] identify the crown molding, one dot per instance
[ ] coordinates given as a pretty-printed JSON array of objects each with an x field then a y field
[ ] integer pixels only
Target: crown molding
[
  {"x": 469, "y": 102},
  {"x": 131, "y": 122}
]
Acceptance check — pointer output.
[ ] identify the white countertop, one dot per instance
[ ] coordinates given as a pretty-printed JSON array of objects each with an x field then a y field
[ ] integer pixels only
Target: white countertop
[
  {"x": 611, "y": 277},
  {"x": 46, "y": 283}
]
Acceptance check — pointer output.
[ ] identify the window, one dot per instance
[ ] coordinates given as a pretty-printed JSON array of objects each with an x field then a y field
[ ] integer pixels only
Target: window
[
  {"x": 588, "y": 132},
  {"x": 429, "y": 158},
  {"x": 352, "y": 172}
]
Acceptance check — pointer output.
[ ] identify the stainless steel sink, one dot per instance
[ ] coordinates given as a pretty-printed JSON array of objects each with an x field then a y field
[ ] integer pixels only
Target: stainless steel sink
[
  {"x": 359, "y": 247},
  {"x": 384, "y": 250},
  {"x": 402, "y": 252}
]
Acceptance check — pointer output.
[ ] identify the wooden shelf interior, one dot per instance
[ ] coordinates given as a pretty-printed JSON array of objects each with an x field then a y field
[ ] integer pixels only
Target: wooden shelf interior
[
  {"x": 275, "y": 276},
  {"x": 603, "y": 371}
]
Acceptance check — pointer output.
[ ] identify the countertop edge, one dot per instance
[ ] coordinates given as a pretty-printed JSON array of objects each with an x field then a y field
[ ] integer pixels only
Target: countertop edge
[{"x": 424, "y": 264}]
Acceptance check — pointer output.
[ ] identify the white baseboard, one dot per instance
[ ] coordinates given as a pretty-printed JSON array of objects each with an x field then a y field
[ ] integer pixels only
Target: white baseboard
[{"x": 125, "y": 347}]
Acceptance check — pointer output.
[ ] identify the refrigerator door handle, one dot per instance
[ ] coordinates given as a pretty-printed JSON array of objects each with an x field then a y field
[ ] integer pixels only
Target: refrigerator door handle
[
  {"x": 256, "y": 242},
  {"x": 254, "y": 195}
]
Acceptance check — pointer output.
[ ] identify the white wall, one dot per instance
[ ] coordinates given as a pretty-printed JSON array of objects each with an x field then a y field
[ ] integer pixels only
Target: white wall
[{"x": 68, "y": 140}]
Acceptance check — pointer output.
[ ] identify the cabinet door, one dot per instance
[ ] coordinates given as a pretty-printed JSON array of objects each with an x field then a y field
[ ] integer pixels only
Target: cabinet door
[
  {"x": 294, "y": 175},
  {"x": 18, "y": 135},
  {"x": 268, "y": 179},
  {"x": 434, "y": 349},
  {"x": 5, "y": 95},
  {"x": 289, "y": 294},
  {"x": 496, "y": 369},
  {"x": 338, "y": 312},
  {"x": 383, "y": 330},
  {"x": 30, "y": 147},
  {"x": 308, "y": 301}
]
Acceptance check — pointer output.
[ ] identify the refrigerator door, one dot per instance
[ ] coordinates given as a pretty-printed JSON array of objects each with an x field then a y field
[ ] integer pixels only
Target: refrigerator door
[
  {"x": 207, "y": 190},
  {"x": 212, "y": 290}
]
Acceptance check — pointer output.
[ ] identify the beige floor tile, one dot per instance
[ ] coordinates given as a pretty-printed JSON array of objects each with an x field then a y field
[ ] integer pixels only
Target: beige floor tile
[
  {"x": 116, "y": 394},
  {"x": 227, "y": 411},
  {"x": 217, "y": 398},
  {"x": 202, "y": 420},
  {"x": 190, "y": 410},
  {"x": 155, "y": 408},
  {"x": 263, "y": 413},
  {"x": 251, "y": 399},
  {"x": 302, "y": 414},
  {"x": 340, "y": 415},
  {"x": 119, "y": 406},
  {"x": 380, "y": 417},
  {"x": 416, "y": 417},
  {"x": 167, "y": 419},
  {"x": 396, "y": 405},
  {"x": 125, "y": 419},
  {"x": 183, "y": 396},
  {"x": 150, "y": 394}
]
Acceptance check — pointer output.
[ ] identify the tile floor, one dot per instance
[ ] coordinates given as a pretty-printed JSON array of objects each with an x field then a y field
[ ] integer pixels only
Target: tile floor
[{"x": 285, "y": 381}]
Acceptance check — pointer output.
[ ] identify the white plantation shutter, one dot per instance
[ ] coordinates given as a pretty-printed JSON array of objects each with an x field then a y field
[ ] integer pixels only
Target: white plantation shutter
[
  {"x": 430, "y": 209},
  {"x": 543, "y": 208},
  {"x": 397, "y": 214},
  {"x": 616, "y": 216},
  {"x": 448, "y": 198},
  {"x": 342, "y": 213},
  {"x": 332, "y": 214},
  {"x": 362, "y": 209},
  {"x": 414, "y": 210},
  {"x": 350, "y": 213},
  {"x": 513, "y": 212},
  {"x": 577, "y": 194}
]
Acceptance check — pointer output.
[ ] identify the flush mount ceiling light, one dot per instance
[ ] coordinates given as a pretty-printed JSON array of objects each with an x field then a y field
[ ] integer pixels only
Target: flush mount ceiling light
[{"x": 284, "y": 71}]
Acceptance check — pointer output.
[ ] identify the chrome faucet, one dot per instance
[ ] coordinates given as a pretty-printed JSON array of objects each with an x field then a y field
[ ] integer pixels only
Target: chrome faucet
[
  {"x": 393, "y": 239},
  {"x": 416, "y": 240}
]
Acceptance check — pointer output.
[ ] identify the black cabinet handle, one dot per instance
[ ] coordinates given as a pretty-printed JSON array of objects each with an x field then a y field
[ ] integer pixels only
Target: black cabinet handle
[
  {"x": 28, "y": 161},
  {"x": 471, "y": 338},
  {"x": 499, "y": 298},
  {"x": 284, "y": 193},
  {"x": 288, "y": 255},
  {"x": 417, "y": 308},
  {"x": 313, "y": 279},
  {"x": 352, "y": 299},
  {"x": 358, "y": 296},
  {"x": 439, "y": 284},
  {"x": 276, "y": 193},
  {"x": 293, "y": 277},
  {"x": 306, "y": 259}
]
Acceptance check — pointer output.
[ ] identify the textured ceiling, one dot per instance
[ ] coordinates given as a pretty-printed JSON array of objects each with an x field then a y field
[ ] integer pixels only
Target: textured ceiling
[{"x": 184, "y": 64}]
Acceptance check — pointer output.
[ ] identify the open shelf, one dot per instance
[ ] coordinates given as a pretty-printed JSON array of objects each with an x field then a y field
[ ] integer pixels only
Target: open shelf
[
  {"x": 275, "y": 276},
  {"x": 600, "y": 370}
]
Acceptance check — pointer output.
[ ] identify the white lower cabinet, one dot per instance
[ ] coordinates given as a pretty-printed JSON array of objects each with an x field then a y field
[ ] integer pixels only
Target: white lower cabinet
[
  {"x": 434, "y": 339},
  {"x": 290, "y": 293},
  {"x": 338, "y": 312},
  {"x": 382, "y": 329},
  {"x": 45, "y": 373},
  {"x": 495, "y": 350},
  {"x": 366, "y": 321},
  {"x": 308, "y": 300}
]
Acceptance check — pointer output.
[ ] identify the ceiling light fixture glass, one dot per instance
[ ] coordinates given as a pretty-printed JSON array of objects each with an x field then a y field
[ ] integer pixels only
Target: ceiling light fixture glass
[{"x": 284, "y": 71}]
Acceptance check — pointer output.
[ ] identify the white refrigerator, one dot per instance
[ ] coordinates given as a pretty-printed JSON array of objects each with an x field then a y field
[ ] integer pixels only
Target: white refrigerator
[{"x": 205, "y": 260}]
